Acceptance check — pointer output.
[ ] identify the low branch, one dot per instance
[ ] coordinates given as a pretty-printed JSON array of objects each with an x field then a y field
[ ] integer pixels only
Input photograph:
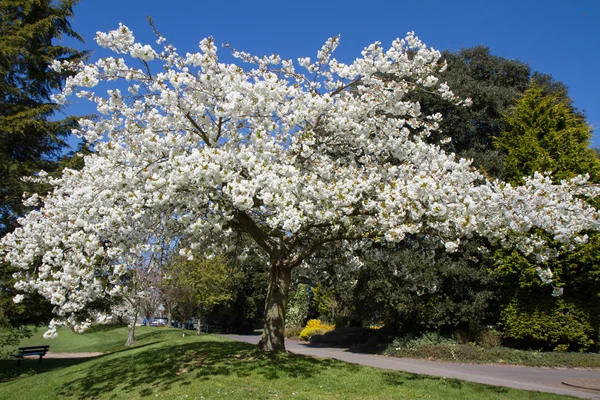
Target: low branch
[{"x": 261, "y": 238}]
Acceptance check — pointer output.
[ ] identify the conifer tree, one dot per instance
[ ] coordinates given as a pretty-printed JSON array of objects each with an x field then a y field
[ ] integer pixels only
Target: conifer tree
[
  {"x": 545, "y": 134},
  {"x": 31, "y": 137}
]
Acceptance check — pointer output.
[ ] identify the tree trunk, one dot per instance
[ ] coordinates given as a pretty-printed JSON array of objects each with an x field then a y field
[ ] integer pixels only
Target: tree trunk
[
  {"x": 169, "y": 320},
  {"x": 131, "y": 330},
  {"x": 273, "y": 337},
  {"x": 198, "y": 326}
]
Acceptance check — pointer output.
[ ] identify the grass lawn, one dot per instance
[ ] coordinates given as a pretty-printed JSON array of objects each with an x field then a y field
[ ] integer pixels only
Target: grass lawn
[
  {"x": 103, "y": 339},
  {"x": 468, "y": 353},
  {"x": 163, "y": 364}
]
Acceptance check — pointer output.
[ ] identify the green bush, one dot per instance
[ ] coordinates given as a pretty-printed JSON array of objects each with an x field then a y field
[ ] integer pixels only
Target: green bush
[
  {"x": 554, "y": 324},
  {"x": 430, "y": 338},
  {"x": 489, "y": 338},
  {"x": 292, "y": 332},
  {"x": 298, "y": 304}
]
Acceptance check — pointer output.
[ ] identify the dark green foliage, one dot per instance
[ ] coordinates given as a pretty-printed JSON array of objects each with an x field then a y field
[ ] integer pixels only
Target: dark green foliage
[
  {"x": 547, "y": 323},
  {"x": 428, "y": 289},
  {"x": 31, "y": 139},
  {"x": 544, "y": 133},
  {"x": 245, "y": 312},
  {"x": 493, "y": 83},
  {"x": 350, "y": 336}
]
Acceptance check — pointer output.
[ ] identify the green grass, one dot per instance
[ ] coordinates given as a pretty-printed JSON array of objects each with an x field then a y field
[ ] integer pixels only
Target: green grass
[
  {"x": 104, "y": 340},
  {"x": 163, "y": 364},
  {"x": 469, "y": 353}
]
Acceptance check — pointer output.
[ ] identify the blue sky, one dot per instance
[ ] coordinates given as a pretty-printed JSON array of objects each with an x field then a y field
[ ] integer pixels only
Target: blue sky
[{"x": 558, "y": 37}]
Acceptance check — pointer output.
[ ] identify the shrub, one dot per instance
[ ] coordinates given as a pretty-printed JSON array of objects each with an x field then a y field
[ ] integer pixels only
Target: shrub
[
  {"x": 314, "y": 327},
  {"x": 345, "y": 336},
  {"x": 292, "y": 332},
  {"x": 489, "y": 338},
  {"x": 427, "y": 339},
  {"x": 298, "y": 304},
  {"x": 558, "y": 325}
]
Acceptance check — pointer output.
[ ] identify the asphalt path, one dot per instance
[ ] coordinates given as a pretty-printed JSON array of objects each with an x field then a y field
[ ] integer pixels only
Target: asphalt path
[{"x": 526, "y": 378}]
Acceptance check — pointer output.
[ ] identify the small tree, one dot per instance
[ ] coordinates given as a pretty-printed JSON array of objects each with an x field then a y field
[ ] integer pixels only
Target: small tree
[
  {"x": 208, "y": 282},
  {"x": 150, "y": 302}
]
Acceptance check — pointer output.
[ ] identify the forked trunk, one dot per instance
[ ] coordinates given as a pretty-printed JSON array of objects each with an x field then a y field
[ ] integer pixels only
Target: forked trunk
[
  {"x": 273, "y": 338},
  {"x": 131, "y": 330}
]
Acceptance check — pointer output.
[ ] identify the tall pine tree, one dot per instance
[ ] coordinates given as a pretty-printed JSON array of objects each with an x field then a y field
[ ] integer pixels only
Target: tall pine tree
[{"x": 31, "y": 137}]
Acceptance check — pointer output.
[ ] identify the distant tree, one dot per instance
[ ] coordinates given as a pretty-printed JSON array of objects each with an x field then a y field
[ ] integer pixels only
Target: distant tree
[
  {"x": 245, "y": 311},
  {"x": 201, "y": 284},
  {"x": 151, "y": 301},
  {"x": 298, "y": 303}
]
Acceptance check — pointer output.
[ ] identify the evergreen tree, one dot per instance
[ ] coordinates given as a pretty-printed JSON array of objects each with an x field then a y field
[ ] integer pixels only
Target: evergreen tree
[
  {"x": 31, "y": 138},
  {"x": 494, "y": 84},
  {"x": 545, "y": 134}
]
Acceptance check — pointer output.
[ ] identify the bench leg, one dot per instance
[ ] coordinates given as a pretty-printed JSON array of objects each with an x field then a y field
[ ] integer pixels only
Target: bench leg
[{"x": 40, "y": 360}]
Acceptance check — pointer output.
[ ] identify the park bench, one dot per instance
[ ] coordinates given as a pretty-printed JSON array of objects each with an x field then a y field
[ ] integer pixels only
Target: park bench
[{"x": 31, "y": 351}]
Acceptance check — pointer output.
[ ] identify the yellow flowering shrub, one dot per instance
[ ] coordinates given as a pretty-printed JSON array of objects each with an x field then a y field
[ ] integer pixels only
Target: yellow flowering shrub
[{"x": 314, "y": 327}]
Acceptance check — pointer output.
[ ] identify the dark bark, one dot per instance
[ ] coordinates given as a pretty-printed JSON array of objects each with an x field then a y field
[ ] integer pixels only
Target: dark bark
[{"x": 199, "y": 325}]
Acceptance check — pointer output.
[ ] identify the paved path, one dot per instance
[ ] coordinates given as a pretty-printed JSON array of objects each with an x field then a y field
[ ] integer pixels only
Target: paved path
[{"x": 527, "y": 378}]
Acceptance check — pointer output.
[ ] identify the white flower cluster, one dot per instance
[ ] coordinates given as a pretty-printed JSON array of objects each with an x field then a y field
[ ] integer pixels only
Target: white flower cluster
[{"x": 214, "y": 154}]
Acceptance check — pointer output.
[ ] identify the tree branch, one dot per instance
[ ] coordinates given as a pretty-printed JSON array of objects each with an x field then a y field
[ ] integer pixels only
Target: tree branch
[
  {"x": 261, "y": 238},
  {"x": 199, "y": 129}
]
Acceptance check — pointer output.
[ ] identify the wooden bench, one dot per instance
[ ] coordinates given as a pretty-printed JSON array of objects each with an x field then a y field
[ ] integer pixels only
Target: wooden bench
[{"x": 31, "y": 351}]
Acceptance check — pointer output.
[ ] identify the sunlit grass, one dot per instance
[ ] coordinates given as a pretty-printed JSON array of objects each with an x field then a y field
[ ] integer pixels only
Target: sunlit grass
[
  {"x": 166, "y": 365},
  {"x": 104, "y": 340}
]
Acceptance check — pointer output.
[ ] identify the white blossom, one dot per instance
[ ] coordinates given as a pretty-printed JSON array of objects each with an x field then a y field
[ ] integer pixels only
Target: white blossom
[
  {"x": 18, "y": 298},
  {"x": 290, "y": 157}
]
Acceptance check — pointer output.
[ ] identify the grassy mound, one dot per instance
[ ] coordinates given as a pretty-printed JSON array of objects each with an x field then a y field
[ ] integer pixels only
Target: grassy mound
[{"x": 165, "y": 364}]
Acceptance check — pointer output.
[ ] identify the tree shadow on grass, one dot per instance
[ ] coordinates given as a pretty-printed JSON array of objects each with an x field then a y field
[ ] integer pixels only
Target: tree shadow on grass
[
  {"x": 401, "y": 378},
  {"x": 162, "y": 367},
  {"x": 141, "y": 372},
  {"x": 9, "y": 370}
]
